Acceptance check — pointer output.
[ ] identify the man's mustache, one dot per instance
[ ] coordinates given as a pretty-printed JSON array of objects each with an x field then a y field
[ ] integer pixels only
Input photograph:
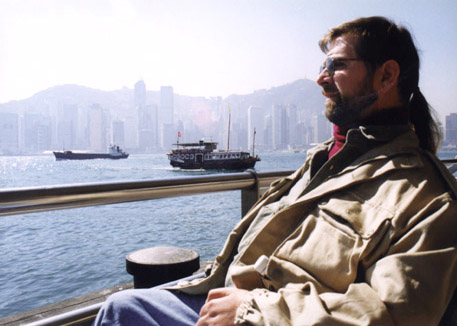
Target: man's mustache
[{"x": 330, "y": 90}]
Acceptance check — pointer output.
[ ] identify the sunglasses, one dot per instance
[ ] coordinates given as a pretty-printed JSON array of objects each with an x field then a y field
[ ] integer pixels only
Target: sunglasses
[{"x": 333, "y": 64}]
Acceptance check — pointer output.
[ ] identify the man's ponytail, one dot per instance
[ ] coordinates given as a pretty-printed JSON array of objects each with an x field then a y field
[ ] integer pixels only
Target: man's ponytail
[{"x": 422, "y": 116}]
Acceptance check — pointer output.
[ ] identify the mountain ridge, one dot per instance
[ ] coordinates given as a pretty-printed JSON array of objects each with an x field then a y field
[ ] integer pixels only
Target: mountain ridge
[{"x": 302, "y": 93}]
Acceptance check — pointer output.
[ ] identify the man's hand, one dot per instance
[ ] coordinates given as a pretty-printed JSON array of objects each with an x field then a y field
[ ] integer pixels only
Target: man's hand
[{"x": 220, "y": 307}]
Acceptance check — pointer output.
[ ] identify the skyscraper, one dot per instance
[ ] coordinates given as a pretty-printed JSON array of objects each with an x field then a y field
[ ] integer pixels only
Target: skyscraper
[
  {"x": 67, "y": 126},
  {"x": 140, "y": 94},
  {"x": 166, "y": 121},
  {"x": 292, "y": 121},
  {"x": 97, "y": 128},
  {"x": 451, "y": 128},
  {"x": 141, "y": 130},
  {"x": 280, "y": 128},
  {"x": 36, "y": 132},
  {"x": 268, "y": 131},
  {"x": 9, "y": 132},
  {"x": 147, "y": 127},
  {"x": 321, "y": 128},
  {"x": 166, "y": 104},
  {"x": 130, "y": 132},
  {"x": 118, "y": 135}
]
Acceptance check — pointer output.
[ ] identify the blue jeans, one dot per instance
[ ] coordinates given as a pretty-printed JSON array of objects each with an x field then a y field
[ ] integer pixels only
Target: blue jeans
[{"x": 152, "y": 307}]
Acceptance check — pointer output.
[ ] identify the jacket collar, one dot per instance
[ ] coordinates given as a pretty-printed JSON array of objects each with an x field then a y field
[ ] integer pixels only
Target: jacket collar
[
  {"x": 383, "y": 133},
  {"x": 372, "y": 136},
  {"x": 368, "y": 153}
]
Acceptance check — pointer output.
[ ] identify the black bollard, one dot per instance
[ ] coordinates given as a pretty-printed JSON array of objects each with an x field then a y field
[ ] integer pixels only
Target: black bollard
[{"x": 158, "y": 265}]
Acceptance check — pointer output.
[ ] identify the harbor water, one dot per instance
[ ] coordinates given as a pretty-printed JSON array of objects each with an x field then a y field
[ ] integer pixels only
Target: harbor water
[{"x": 52, "y": 256}]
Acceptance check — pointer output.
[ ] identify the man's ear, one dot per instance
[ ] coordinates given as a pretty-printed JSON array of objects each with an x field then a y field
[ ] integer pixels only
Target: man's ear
[{"x": 388, "y": 76}]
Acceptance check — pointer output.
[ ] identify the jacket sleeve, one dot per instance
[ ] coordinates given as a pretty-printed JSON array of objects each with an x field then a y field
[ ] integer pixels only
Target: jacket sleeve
[{"x": 411, "y": 285}]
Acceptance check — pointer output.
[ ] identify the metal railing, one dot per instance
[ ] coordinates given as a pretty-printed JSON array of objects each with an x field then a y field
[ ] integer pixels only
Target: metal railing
[
  {"x": 46, "y": 198},
  {"x": 453, "y": 167}
]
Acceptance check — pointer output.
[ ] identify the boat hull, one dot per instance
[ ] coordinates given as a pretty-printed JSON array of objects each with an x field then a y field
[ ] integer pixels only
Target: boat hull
[
  {"x": 215, "y": 164},
  {"x": 196, "y": 160},
  {"x": 87, "y": 156}
]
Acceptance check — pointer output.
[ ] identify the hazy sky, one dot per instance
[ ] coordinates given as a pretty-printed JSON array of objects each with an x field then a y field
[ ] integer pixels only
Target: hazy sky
[{"x": 203, "y": 47}]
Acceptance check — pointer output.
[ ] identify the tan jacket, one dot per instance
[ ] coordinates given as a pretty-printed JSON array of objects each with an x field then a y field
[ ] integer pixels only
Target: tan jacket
[{"x": 371, "y": 241}]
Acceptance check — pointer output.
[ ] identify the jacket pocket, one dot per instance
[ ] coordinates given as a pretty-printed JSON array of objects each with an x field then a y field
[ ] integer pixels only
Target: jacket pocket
[
  {"x": 355, "y": 215},
  {"x": 324, "y": 252},
  {"x": 333, "y": 239}
]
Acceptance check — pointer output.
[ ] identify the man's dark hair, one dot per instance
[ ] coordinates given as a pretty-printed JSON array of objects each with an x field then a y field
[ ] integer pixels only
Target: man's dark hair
[{"x": 380, "y": 40}]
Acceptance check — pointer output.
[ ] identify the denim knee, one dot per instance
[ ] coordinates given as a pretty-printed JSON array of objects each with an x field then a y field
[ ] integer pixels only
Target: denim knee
[
  {"x": 121, "y": 298},
  {"x": 124, "y": 308}
]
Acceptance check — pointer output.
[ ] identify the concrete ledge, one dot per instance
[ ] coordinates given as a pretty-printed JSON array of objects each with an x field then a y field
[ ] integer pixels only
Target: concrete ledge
[
  {"x": 70, "y": 305},
  {"x": 63, "y": 307}
]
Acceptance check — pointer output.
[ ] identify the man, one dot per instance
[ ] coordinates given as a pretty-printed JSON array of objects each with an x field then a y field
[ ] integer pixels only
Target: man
[{"x": 362, "y": 234}]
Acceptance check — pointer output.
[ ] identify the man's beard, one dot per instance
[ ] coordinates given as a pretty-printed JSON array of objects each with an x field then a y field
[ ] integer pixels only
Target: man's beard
[{"x": 346, "y": 111}]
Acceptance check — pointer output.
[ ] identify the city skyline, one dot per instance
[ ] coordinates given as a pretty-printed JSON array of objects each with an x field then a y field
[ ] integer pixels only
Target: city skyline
[
  {"x": 152, "y": 125},
  {"x": 145, "y": 124},
  {"x": 202, "y": 48}
]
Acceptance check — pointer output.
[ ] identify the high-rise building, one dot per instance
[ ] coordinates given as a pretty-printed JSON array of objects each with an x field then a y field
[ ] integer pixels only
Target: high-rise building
[
  {"x": 37, "y": 132},
  {"x": 130, "y": 132},
  {"x": 167, "y": 129},
  {"x": 82, "y": 139},
  {"x": 9, "y": 133},
  {"x": 292, "y": 121},
  {"x": 140, "y": 94},
  {"x": 67, "y": 126},
  {"x": 118, "y": 136},
  {"x": 451, "y": 128},
  {"x": 268, "y": 132},
  {"x": 300, "y": 134},
  {"x": 166, "y": 105},
  {"x": 141, "y": 130},
  {"x": 321, "y": 128},
  {"x": 189, "y": 131},
  {"x": 97, "y": 128},
  {"x": 238, "y": 137},
  {"x": 280, "y": 127},
  {"x": 148, "y": 128},
  {"x": 168, "y": 135}
]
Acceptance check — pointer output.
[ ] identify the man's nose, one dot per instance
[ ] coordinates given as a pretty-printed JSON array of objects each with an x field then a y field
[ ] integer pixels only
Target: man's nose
[{"x": 323, "y": 78}]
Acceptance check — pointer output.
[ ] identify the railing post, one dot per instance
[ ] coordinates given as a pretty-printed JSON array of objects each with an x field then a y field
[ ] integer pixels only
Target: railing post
[{"x": 249, "y": 196}]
